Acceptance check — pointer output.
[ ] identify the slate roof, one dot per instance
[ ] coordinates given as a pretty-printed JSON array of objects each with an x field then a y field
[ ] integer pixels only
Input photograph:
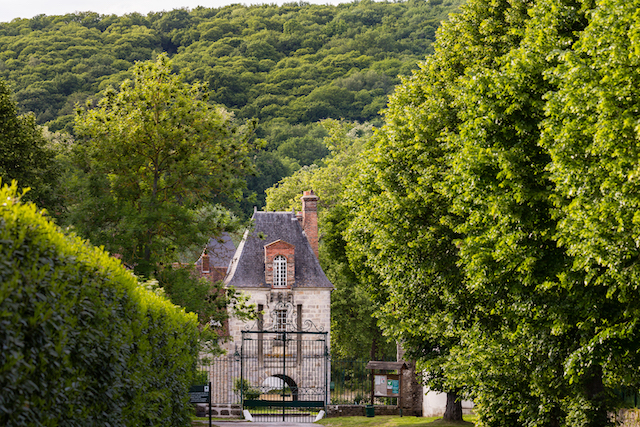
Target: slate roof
[
  {"x": 247, "y": 266},
  {"x": 220, "y": 251}
]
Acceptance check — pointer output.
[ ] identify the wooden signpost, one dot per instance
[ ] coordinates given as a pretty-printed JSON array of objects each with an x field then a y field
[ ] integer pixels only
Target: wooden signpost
[{"x": 384, "y": 384}]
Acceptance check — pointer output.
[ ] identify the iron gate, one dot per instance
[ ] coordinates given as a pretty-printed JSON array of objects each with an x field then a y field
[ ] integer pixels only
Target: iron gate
[{"x": 284, "y": 375}]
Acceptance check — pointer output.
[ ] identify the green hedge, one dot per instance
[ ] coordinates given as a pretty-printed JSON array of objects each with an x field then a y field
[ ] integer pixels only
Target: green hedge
[{"x": 82, "y": 342}]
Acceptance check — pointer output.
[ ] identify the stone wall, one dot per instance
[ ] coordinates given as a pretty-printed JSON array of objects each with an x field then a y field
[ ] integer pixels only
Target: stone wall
[
  {"x": 316, "y": 308},
  {"x": 412, "y": 391},
  {"x": 219, "y": 411}
]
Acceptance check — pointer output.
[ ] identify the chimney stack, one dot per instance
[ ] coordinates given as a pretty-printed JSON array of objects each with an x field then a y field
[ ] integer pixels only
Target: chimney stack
[
  {"x": 206, "y": 268},
  {"x": 310, "y": 219}
]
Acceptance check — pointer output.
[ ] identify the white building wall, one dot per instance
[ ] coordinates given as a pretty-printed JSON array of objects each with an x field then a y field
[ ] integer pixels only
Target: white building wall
[{"x": 435, "y": 403}]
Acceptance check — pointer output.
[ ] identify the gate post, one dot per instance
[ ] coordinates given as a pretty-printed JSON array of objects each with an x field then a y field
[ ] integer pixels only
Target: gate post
[
  {"x": 284, "y": 370},
  {"x": 327, "y": 372},
  {"x": 242, "y": 372}
]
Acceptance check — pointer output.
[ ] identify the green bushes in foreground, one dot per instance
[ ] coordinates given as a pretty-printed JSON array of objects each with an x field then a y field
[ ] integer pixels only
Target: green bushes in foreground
[{"x": 82, "y": 342}]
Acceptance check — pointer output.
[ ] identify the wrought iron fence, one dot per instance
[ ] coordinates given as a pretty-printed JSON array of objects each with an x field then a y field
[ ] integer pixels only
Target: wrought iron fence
[
  {"x": 350, "y": 381},
  {"x": 629, "y": 398}
]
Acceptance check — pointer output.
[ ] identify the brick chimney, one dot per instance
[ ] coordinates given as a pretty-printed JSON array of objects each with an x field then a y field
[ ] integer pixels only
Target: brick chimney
[
  {"x": 310, "y": 219},
  {"x": 206, "y": 268}
]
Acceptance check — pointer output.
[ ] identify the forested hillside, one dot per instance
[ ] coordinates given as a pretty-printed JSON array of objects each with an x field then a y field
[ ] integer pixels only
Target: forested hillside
[{"x": 287, "y": 66}]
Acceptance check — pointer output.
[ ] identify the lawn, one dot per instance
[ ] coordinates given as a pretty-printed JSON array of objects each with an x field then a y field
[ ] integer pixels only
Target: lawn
[{"x": 393, "y": 421}]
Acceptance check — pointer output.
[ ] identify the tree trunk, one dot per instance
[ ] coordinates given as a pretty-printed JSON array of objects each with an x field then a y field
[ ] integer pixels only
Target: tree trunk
[
  {"x": 596, "y": 395},
  {"x": 374, "y": 348},
  {"x": 453, "y": 412}
]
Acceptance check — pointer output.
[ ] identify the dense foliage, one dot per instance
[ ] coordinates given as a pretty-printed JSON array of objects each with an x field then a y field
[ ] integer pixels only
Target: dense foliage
[
  {"x": 301, "y": 62},
  {"x": 150, "y": 159},
  {"x": 498, "y": 206},
  {"x": 25, "y": 155},
  {"x": 83, "y": 343},
  {"x": 288, "y": 66}
]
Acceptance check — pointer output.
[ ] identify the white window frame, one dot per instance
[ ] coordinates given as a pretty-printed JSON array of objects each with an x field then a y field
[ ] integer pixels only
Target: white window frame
[
  {"x": 281, "y": 320},
  {"x": 280, "y": 326},
  {"x": 280, "y": 272}
]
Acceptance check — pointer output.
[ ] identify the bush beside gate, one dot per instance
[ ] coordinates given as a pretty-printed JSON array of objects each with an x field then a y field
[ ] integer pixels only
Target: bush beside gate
[{"x": 82, "y": 342}]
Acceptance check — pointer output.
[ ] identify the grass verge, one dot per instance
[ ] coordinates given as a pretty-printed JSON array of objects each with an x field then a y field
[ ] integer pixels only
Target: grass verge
[{"x": 393, "y": 421}]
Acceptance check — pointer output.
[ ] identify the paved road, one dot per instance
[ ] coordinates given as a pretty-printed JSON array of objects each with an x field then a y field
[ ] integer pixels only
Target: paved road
[{"x": 258, "y": 424}]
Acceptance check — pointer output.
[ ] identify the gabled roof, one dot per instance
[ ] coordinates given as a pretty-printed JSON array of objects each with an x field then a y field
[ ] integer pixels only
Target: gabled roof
[
  {"x": 220, "y": 251},
  {"x": 247, "y": 266},
  {"x": 279, "y": 243}
]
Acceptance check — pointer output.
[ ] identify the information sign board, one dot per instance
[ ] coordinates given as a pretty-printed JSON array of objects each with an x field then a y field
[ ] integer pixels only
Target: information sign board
[
  {"x": 395, "y": 387},
  {"x": 386, "y": 385},
  {"x": 199, "y": 394},
  {"x": 381, "y": 385}
]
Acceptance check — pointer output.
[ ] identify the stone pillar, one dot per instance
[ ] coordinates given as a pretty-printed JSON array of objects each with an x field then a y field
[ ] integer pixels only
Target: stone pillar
[{"x": 412, "y": 390}]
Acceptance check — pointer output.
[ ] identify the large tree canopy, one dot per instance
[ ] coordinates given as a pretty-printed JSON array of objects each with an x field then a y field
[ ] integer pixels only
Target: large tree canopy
[
  {"x": 24, "y": 154},
  {"x": 591, "y": 133},
  {"x": 288, "y": 66},
  {"x": 507, "y": 255},
  {"x": 153, "y": 155}
]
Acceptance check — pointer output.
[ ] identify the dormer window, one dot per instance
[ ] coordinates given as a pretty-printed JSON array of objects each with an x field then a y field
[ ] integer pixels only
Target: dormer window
[
  {"x": 279, "y": 272},
  {"x": 279, "y": 265}
]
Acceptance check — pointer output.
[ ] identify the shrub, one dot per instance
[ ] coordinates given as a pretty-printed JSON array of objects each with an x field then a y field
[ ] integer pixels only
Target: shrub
[
  {"x": 82, "y": 342},
  {"x": 244, "y": 389}
]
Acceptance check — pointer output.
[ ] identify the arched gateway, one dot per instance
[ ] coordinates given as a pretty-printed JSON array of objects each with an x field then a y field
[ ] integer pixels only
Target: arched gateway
[{"x": 286, "y": 369}]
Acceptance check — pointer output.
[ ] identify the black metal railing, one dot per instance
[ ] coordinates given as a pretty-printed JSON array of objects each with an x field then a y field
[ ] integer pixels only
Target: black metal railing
[
  {"x": 629, "y": 398},
  {"x": 350, "y": 382}
]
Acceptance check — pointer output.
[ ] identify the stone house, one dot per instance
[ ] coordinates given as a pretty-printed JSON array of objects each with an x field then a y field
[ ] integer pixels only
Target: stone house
[{"x": 277, "y": 266}]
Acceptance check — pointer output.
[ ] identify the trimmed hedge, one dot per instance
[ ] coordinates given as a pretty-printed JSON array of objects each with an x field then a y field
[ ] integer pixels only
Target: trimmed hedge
[{"x": 82, "y": 342}]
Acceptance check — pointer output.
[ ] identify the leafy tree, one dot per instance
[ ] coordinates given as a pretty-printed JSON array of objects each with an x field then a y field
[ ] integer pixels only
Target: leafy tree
[
  {"x": 592, "y": 140},
  {"x": 295, "y": 63},
  {"x": 510, "y": 250},
  {"x": 399, "y": 229},
  {"x": 507, "y": 249},
  {"x": 25, "y": 155},
  {"x": 151, "y": 157},
  {"x": 236, "y": 49},
  {"x": 457, "y": 179}
]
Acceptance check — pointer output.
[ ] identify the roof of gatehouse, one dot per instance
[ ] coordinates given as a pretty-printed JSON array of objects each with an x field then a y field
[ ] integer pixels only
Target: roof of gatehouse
[{"x": 247, "y": 268}]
